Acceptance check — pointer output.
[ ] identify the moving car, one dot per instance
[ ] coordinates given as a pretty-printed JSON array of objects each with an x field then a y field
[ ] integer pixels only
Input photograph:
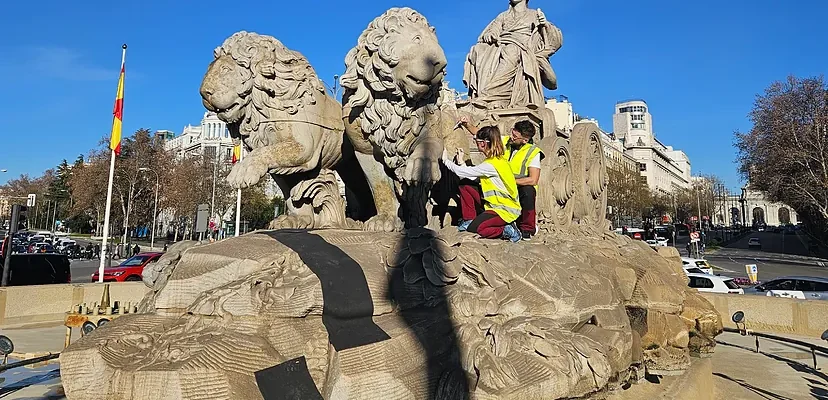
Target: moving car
[
  {"x": 129, "y": 270},
  {"x": 714, "y": 284},
  {"x": 39, "y": 269},
  {"x": 697, "y": 262},
  {"x": 754, "y": 243},
  {"x": 799, "y": 287}
]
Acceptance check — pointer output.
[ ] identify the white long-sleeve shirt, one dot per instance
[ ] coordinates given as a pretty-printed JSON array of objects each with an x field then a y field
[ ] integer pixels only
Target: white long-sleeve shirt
[{"x": 483, "y": 169}]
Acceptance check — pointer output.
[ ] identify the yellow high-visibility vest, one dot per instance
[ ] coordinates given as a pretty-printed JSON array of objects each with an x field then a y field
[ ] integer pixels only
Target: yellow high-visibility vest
[
  {"x": 519, "y": 160},
  {"x": 505, "y": 204}
]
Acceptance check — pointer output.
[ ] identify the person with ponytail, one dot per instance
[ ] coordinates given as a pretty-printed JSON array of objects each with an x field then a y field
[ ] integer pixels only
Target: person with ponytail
[{"x": 494, "y": 193}]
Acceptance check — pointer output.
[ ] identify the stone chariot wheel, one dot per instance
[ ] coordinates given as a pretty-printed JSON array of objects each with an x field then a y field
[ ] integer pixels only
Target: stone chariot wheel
[
  {"x": 590, "y": 175},
  {"x": 556, "y": 190}
]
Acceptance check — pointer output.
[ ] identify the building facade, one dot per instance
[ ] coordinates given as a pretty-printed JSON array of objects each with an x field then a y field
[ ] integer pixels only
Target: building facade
[
  {"x": 665, "y": 168},
  {"x": 756, "y": 210},
  {"x": 210, "y": 138}
]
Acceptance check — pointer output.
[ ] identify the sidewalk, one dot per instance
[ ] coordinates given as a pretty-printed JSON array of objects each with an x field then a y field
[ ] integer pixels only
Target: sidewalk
[
  {"x": 780, "y": 371},
  {"x": 40, "y": 381}
]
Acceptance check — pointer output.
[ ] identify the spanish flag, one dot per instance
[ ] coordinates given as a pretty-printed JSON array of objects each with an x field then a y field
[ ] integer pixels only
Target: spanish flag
[
  {"x": 118, "y": 112},
  {"x": 236, "y": 153}
]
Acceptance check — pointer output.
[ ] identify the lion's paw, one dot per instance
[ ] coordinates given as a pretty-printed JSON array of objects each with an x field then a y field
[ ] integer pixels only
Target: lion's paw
[
  {"x": 292, "y": 222},
  {"x": 383, "y": 223},
  {"x": 246, "y": 173}
]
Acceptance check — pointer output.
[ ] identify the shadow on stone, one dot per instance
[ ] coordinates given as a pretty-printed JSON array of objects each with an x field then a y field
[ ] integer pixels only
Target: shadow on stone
[{"x": 424, "y": 308}]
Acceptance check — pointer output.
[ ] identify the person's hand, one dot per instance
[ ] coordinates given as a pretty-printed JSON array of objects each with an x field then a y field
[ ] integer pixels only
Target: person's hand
[
  {"x": 541, "y": 17},
  {"x": 464, "y": 120},
  {"x": 459, "y": 157}
]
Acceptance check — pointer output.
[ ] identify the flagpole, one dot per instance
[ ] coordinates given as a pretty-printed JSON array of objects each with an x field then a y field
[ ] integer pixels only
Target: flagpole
[
  {"x": 238, "y": 198},
  {"x": 104, "y": 248},
  {"x": 238, "y": 210}
]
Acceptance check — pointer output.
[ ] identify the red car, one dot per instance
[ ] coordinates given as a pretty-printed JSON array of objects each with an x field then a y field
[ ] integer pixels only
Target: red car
[{"x": 129, "y": 270}]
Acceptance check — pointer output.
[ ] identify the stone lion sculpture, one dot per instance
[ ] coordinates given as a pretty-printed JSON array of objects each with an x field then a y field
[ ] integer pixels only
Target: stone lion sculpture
[
  {"x": 276, "y": 106},
  {"x": 393, "y": 81}
]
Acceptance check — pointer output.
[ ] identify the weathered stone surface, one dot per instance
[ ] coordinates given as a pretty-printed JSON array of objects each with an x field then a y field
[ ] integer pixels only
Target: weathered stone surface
[{"x": 539, "y": 320}]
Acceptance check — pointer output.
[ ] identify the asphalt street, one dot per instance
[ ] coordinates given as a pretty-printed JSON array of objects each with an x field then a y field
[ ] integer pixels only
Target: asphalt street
[{"x": 781, "y": 254}]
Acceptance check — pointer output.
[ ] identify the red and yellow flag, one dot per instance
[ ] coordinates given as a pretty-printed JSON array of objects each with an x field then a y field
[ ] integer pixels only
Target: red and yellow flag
[
  {"x": 236, "y": 153},
  {"x": 118, "y": 113}
]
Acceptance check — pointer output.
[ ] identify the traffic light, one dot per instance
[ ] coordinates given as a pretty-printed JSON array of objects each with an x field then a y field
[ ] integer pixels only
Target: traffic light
[
  {"x": 22, "y": 218},
  {"x": 18, "y": 220}
]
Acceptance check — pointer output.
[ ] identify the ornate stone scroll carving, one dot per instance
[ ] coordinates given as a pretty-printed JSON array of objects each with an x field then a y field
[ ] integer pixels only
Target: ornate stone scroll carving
[{"x": 566, "y": 316}]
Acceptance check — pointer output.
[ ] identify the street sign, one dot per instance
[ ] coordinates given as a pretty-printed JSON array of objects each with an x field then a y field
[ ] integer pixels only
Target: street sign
[
  {"x": 202, "y": 217},
  {"x": 30, "y": 200},
  {"x": 753, "y": 272},
  {"x": 694, "y": 237}
]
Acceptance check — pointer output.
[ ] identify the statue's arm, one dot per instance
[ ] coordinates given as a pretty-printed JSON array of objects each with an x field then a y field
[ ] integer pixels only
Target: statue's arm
[{"x": 492, "y": 31}]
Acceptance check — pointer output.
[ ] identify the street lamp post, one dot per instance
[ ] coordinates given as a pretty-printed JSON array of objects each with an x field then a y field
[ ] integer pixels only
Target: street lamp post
[{"x": 155, "y": 207}]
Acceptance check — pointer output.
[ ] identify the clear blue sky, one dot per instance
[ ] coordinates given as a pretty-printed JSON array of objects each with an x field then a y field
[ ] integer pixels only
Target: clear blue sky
[{"x": 698, "y": 64}]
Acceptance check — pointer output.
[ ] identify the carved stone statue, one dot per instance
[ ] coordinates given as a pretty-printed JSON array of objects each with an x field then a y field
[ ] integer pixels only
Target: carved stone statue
[
  {"x": 393, "y": 82},
  {"x": 273, "y": 102},
  {"x": 509, "y": 66}
]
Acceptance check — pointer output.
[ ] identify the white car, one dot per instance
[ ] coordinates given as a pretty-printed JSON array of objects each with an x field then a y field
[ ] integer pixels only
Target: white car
[
  {"x": 693, "y": 270},
  {"x": 658, "y": 242},
  {"x": 697, "y": 262},
  {"x": 714, "y": 284}
]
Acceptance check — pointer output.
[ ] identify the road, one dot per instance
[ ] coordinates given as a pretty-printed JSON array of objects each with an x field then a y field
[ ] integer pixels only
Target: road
[{"x": 781, "y": 254}]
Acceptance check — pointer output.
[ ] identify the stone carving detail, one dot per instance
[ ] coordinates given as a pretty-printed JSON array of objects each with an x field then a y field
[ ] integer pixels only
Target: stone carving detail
[
  {"x": 509, "y": 66},
  {"x": 393, "y": 81},
  {"x": 273, "y": 102},
  {"x": 524, "y": 328}
]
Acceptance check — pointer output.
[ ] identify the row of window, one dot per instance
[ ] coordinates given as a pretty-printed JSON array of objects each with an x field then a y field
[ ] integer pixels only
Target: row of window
[
  {"x": 635, "y": 125},
  {"x": 640, "y": 109}
]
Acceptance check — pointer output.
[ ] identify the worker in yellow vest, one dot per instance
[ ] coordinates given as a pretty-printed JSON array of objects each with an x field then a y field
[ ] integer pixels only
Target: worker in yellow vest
[
  {"x": 496, "y": 194},
  {"x": 525, "y": 159}
]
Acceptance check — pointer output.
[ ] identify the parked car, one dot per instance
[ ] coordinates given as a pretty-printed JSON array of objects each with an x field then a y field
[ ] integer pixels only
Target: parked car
[
  {"x": 713, "y": 284},
  {"x": 129, "y": 270},
  {"x": 754, "y": 243},
  {"x": 39, "y": 269},
  {"x": 692, "y": 270},
  {"x": 699, "y": 263},
  {"x": 800, "y": 287}
]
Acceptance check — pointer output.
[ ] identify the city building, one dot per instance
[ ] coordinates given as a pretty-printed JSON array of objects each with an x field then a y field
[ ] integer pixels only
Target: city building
[
  {"x": 756, "y": 210},
  {"x": 664, "y": 167},
  {"x": 565, "y": 117},
  {"x": 616, "y": 154},
  {"x": 210, "y": 138}
]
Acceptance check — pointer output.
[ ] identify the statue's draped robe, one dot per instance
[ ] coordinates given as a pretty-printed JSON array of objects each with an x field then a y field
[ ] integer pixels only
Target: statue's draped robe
[{"x": 512, "y": 72}]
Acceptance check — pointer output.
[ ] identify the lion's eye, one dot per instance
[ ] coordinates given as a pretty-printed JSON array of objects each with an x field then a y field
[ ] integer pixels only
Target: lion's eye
[{"x": 417, "y": 39}]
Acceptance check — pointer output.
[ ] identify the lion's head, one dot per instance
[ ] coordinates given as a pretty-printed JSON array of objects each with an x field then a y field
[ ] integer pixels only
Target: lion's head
[
  {"x": 254, "y": 75},
  {"x": 393, "y": 79}
]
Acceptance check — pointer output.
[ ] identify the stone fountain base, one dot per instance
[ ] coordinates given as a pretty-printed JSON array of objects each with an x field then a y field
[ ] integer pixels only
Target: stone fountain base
[{"x": 339, "y": 314}]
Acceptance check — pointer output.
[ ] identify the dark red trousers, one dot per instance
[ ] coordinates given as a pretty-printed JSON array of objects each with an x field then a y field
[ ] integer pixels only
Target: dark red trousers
[
  {"x": 487, "y": 224},
  {"x": 526, "y": 196}
]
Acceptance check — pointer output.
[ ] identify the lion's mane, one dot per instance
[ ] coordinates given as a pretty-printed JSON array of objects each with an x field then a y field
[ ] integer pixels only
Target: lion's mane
[
  {"x": 386, "y": 116},
  {"x": 275, "y": 79}
]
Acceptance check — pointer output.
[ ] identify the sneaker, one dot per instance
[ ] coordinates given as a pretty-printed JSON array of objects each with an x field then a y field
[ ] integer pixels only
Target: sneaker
[
  {"x": 527, "y": 236},
  {"x": 463, "y": 225},
  {"x": 512, "y": 233}
]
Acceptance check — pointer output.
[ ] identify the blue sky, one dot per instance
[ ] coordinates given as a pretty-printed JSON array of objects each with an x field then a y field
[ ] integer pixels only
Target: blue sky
[{"x": 698, "y": 64}]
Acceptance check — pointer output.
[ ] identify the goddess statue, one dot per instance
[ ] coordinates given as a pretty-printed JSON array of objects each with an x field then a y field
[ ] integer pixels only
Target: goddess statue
[{"x": 509, "y": 66}]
